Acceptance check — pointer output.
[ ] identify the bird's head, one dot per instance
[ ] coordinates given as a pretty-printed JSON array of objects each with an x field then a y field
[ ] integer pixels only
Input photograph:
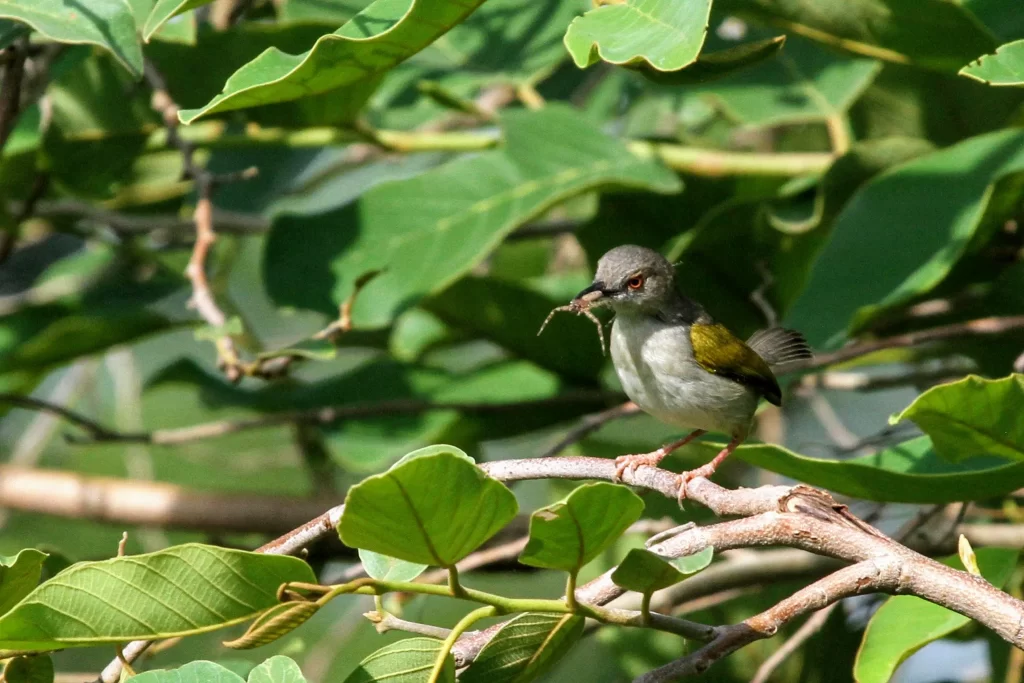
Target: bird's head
[{"x": 630, "y": 279}]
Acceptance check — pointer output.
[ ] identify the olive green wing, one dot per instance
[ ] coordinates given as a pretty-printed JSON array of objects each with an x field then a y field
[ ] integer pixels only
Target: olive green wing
[{"x": 722, "y": 353}]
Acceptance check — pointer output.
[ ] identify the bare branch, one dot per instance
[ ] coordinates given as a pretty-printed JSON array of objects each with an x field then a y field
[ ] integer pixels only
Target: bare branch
[{"x": 328, "y": 415}]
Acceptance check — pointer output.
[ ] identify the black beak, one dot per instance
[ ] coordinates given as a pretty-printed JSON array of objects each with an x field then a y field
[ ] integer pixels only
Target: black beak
[{"x": 592, "y": 293}]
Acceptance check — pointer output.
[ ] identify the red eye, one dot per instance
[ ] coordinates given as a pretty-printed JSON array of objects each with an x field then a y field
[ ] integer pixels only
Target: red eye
[{"x": 635, "y": 282}]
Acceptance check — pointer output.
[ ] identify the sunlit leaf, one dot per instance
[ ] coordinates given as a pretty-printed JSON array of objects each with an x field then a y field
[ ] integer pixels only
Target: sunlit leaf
[
  {"x": 107, "y": 23},
  {"x": 386, "y": 568},
  {"x": 1004, "y": 67},
  {"x": 571, "y": 533},
  {"x": 970, "y": 416},
  {"x": 434, "y": 509},
  {"x": 193, "y": 672},
  {"x": 163, "y": 10},
  {"x": 665, "y": 34},
  {"x": 184, "y": 589},
  {"x": 277, "y": 669},
  {"x": 905, "y": 623},
  {"x": 645, "y": 572}
]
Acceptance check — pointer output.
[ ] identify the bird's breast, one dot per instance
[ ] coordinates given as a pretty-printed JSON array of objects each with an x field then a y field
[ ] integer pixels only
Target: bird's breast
[{"x": 655, "y": 364}]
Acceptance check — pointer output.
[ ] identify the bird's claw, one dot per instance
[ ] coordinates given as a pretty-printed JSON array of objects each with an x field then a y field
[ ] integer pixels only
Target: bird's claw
[
  {"x": 686, "y": 477},
  {"x": 632, "y": 462}
]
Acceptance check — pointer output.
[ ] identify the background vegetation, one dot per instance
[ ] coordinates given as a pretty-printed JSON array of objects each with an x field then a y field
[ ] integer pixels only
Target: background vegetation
[{"x": 211, "y": 332}]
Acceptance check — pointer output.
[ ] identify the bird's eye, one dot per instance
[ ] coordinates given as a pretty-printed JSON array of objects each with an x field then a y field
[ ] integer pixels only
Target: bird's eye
[{"x": 635, "y": 282}]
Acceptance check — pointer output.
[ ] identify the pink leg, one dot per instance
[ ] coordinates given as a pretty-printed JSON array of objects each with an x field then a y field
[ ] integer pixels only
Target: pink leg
[
  {"x": 707, "y": 470},
  {"x": 631, "y": 462}
]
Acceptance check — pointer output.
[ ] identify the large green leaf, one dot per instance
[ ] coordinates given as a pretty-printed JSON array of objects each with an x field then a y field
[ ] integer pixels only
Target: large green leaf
[
  {"x": 193, "y": 672},
  {"x": 525, "y": 648},
  {"x": 434, "y": 508},
  {"x": 407, "y": 661},
  {"x": 184, "y": 589},
  {"x": 18, "y": 576},
  {"x": 106, "y": 23},
  {"x": 803, "y": 83},
  {"x": 908, "y": 473},
  {"x": 932, "y": 207},
  {"x": 510, "y": 315},
  {"x": 664, "y": 34},
  {"x": 382, "y": 35},
  {"x": 428, "y": 231},
  {"x": 1005, "y": 67},
  {"x": 572, "y": 532},
  {"x": 906, "y": 623},
  {"x": 971, "y": 416},
  {"x": 934, "y": 34},
  {"x": 645, "y": 572}
]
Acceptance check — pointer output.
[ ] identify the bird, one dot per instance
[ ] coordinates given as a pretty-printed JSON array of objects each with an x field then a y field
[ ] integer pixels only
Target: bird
[{"x": 679, "y": 365}]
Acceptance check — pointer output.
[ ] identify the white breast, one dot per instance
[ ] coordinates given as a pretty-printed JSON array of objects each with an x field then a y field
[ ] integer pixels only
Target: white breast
[{"x": 655, "y": 365}]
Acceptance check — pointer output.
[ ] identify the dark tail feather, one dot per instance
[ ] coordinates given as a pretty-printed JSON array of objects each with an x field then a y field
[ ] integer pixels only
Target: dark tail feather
[{"x": 778, "y": 345}]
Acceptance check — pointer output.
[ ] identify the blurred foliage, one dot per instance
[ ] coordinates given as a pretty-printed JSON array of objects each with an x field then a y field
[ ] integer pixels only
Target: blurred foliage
[{"x": 853, "y": 168}]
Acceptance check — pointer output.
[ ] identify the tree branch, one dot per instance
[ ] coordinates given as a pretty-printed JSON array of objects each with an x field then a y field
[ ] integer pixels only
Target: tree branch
[{"x": 797, "y": 517}]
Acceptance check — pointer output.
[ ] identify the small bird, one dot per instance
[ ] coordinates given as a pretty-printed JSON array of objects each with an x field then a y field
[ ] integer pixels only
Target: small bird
[{"x": 676, "y": 363}]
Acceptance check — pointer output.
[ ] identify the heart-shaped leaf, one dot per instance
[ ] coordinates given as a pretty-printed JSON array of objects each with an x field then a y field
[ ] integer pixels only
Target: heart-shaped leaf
[
  {"x": 572, "y": 532},
  {"x": 645, "y": 572},
  {"x": 434, "y": 508}
]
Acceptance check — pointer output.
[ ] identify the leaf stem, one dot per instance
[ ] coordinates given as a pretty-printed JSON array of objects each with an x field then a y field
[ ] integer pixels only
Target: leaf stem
[
  {"x": 570, "y": 592},
  {"x": 460, "y": 628},
  {"x": 645, "y": 607},
  {"x": 454, "y": 585}
]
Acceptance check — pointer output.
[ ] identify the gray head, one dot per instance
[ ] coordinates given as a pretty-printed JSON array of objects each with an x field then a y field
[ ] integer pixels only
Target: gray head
[{"x": 631, "y": 279}]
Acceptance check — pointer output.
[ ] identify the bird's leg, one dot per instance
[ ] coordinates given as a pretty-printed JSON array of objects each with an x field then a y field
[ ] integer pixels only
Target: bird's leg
[
  {"x": 631, "y": 462},
  {"x": 708, "y": 469}
]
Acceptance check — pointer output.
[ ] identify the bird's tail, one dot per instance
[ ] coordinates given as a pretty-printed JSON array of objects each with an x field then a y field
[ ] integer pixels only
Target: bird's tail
[{"x": 778, "y": 345}]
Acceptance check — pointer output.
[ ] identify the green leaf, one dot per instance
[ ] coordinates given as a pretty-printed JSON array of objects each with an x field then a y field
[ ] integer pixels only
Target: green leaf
[
  {"x": 905, "y": 623},
  {"x": 37, "y": 669},
  {"x": 932, "y": 206},
  {"x": 908, "y": 473},
  {"x": 935, "y": 34},
  {"x": 435, "y": 509},
  {"x": 164, "y": 10},
  {"x": 106, "y": 23},
  {"x": 382, "y": 35},
  {"x": 646, "y": 572},
  {"x": 525, "y": 648},
  {"x": 428, "y": 231},
  {"x": 193, "y": 672},
  {"x": 1005, "y": 67},
  {"x": 184, "y": 589},
  {"x": 277, "y": 669},
  {"x": 973, "y": 415},
  {"x": 718, "y": 64},
  {"x": 803, "y": 83},
  {"x": 407, "y": 661},
  {"x": 572, "y": 532},
  {"x": 388, "y": 568},
  {"x": 18, "y": 576},
  {"x": 665, "y": 34}
]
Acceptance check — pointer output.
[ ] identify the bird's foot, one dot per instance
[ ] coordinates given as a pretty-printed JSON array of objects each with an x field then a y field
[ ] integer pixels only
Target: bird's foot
[
  {"x": 705, "y": 471},
  {"x": 632, "y": 462}
]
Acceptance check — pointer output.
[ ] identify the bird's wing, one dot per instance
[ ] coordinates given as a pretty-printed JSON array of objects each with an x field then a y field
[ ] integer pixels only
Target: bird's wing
[
  {"x": 778, "y": 345},
  {"x": 720, "y": 352}
]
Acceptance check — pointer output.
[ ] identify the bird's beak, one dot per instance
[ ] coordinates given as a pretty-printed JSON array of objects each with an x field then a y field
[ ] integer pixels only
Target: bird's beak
[{"x": 591, "y": 295}]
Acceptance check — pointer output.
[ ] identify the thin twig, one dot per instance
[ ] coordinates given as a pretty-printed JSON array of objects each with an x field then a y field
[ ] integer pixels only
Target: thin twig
[
  {"x": 590, "y": 424},
  {"x": 98, "y": 433},
  {"x": 794, "y": 643}
]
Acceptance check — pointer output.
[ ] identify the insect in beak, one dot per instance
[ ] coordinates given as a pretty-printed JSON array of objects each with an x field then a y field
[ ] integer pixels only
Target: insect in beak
[{"x": 580, "y": 305}]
